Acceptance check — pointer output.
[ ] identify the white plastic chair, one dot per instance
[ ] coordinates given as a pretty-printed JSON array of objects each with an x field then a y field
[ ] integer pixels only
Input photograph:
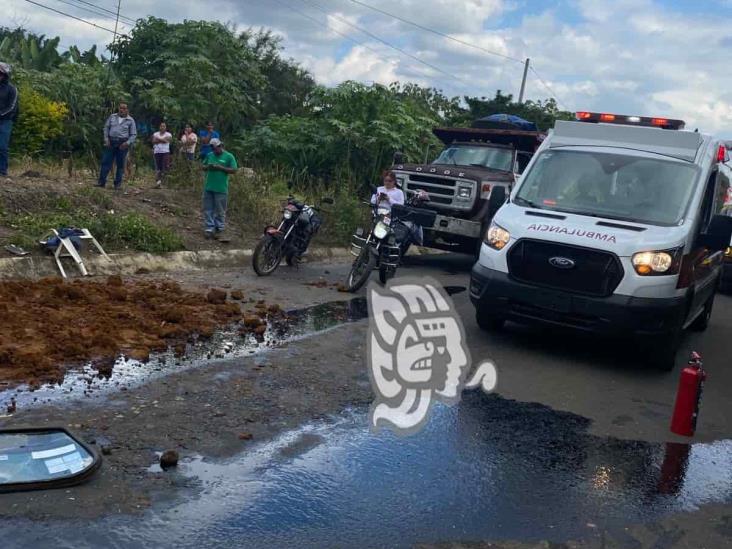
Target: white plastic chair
[{"x": 66, "y": 249}]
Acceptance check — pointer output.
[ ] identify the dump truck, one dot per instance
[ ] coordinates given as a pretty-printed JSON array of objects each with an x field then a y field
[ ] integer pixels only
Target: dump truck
[{"x": 459, "y": 181}]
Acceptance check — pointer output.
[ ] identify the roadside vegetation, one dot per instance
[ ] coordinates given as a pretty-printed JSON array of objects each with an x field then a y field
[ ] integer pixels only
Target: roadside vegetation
[{"x": 271, "y": 114}]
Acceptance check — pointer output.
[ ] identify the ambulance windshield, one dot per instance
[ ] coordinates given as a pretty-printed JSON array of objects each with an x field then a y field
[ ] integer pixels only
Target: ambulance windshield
[{"x": 614, "y": 186}]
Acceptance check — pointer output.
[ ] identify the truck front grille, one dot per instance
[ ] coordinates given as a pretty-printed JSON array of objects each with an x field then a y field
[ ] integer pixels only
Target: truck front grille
[
  {"x": 442, "y": 190},
  {"x": 595, "y": 272}
]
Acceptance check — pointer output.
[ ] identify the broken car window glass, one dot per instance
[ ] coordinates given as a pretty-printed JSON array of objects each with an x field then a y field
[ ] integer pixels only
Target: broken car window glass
[{"x": 39, "y": 458}]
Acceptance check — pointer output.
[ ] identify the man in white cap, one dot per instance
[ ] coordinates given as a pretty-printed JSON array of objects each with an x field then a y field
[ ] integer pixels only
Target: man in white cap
[
  {"x": 218, "y": 165},
  {"x": 8, "y": 114}
]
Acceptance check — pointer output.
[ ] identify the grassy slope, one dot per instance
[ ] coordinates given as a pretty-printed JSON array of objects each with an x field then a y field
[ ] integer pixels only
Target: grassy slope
[{"x": 142, "y": 218}]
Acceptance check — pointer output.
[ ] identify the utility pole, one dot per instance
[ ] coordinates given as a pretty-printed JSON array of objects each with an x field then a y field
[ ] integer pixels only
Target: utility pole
[
  {"x": 523, "y": 81},
  {"x": 116, "y": 22}
]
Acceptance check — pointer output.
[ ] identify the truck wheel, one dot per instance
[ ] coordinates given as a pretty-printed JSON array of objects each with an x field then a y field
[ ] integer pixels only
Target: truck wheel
[
  {"x": 702, "y": 321},
  {"x": 488, "y": 322}
]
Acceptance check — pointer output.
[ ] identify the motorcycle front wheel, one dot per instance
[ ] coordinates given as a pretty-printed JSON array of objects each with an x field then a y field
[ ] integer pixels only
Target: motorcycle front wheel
[
  {"x": 385, "y": 273},
  {"x": 361, "y": 269},
  {"x": 267, "y": 256}
]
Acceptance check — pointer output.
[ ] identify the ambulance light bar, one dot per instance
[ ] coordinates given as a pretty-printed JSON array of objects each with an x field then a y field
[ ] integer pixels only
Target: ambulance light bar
[{"x": 665, "y": 123}]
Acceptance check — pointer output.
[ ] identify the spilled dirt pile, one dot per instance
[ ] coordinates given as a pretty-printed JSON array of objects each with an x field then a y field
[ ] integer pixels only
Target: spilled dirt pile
[{"x": 49, "y": 325}]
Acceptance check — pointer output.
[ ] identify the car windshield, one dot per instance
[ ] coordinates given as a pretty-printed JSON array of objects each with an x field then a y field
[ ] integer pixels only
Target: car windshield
[
  {"x": 487, "y": 157},
  {"x": 615, "y": 186}
]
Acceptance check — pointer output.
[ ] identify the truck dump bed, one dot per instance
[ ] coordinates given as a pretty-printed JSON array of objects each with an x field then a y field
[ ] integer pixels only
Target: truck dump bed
[{"x": 521, "y": 140}]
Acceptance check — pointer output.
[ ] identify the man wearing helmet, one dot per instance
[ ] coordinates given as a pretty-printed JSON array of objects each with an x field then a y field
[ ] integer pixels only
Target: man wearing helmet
[{"x": 8, "y": 114}]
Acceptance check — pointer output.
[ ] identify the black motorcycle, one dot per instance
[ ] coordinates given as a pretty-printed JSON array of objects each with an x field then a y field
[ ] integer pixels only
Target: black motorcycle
[
  {"x": 390, "y": 237},
  {"x": 290, "y": 239}
]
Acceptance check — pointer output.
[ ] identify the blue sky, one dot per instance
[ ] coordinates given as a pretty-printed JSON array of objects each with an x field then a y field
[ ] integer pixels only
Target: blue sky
[{"x": 649, "y": 57}]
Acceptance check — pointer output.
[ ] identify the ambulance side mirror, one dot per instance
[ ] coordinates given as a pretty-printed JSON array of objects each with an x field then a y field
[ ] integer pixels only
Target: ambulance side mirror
[
  {"x": 719, "y": 233},
  {"x": 496, "y": 200}
]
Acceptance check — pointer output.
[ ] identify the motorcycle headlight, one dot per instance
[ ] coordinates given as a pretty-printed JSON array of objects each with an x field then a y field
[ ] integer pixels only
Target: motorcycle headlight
[
  {"x": 496, "y": 237},
  {"x": 666, "y": 262},
  {"x": 287, "y": 214},
  {"x": 381, "y": 230},
  {"x": 728, "y": 251}
]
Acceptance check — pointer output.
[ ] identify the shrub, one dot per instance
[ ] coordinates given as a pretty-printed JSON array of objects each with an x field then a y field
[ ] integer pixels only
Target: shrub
[{"x": 40, "y": 121}]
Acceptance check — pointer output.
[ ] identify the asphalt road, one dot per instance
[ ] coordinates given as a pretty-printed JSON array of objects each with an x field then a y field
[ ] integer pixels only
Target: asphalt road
[{"x": 574, "y": 444}]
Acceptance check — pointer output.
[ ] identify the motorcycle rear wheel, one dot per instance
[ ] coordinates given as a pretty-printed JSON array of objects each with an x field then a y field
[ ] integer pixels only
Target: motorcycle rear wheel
[
  {"x": 267, "y": 256},
  {"x": 361, "y": 269}
]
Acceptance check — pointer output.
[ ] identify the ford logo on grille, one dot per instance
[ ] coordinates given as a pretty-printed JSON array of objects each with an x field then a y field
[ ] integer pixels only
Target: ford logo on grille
[{"x": 561, "y": 262}]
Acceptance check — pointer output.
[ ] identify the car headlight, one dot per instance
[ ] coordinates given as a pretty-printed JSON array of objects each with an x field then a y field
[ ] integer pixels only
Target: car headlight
[
  {"x": 287, "y": 214},
  {"x": 666, "y": 262},
  {"x": 381, "y": 230},
  {"x": 497, "y": 237}
]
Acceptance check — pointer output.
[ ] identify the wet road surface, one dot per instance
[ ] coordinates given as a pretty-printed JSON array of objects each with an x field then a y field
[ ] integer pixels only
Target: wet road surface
[{"x": 486, "y": 469}]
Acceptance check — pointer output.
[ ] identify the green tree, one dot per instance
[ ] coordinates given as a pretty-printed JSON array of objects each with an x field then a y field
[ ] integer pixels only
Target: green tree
[{"x": 190, "y": 71}]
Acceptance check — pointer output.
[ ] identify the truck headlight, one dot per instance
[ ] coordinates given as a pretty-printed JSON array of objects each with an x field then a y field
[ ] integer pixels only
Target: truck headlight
[
  {"x": 496, "y": 237},
  {"x": 464, "y": 192},
  {"x": 381, "y": 230},
  {"x": 666, "y": 262}
]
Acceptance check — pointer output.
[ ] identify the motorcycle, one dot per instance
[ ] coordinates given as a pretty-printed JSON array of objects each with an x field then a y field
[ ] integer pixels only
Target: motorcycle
[
  {"x": 391, "y": 235},
  {"x": 290, "y": 239}
]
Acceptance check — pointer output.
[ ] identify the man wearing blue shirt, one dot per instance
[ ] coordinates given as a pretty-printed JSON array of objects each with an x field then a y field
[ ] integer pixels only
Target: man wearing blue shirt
[
  {"x": 119, "y": 134},
  {"x": 205, "y": 137}
]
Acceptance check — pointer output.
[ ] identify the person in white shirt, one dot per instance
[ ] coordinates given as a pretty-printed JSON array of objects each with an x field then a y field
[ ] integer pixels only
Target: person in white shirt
[
  {"x": 161, "y": 151},
  {"x": 388, "y": 194},
  {"x": 188, "y": 142}
]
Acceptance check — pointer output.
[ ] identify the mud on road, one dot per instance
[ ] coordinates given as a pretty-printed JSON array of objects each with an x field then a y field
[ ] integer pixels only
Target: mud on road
[{"x": 217, "y": 409}]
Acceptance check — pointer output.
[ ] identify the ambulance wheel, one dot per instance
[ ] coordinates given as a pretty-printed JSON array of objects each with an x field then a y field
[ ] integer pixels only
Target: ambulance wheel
[
  {"x": 664, "y": 351},
  {"x": 488, "y": 322},
  {"x": 702, "y": 321}
]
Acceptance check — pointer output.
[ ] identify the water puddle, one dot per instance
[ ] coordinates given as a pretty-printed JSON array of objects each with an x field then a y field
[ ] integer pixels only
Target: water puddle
[
  {"x": 487, "y": 469},
  {"x": 225, "y": 344}
]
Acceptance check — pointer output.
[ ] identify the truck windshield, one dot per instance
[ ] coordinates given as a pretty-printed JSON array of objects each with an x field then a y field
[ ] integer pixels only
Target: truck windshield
[
  {"x": 615, "y": 186},
  {"x": 486, "y": 157}
]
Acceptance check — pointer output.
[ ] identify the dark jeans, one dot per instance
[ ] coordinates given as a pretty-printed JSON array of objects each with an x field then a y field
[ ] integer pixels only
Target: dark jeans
[
  {"x": 113, "y": 155},
  {"x": 162, "y": 162},
  {"x": 214, "y": 210},
  {"x": 6, "y": 127}
]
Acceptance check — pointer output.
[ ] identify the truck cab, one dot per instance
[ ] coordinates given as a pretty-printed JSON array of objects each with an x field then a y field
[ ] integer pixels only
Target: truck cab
[
  {"x": 616, "y": 227},
  {"x": 460, "y": 179}
]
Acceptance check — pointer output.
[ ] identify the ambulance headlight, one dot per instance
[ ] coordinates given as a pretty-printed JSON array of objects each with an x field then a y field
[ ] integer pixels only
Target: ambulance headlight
[
  {"x": 666, "y": 262},
  {"x": 497, "y": 237}
]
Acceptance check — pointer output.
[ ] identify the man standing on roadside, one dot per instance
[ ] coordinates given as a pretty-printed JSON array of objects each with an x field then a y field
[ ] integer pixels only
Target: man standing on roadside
[
  {"x": 8, "y": 115},
  {"x": 120, "y": 133},
  {"x": 218, "y": 166},
  {"x": 206, "y": 136}
]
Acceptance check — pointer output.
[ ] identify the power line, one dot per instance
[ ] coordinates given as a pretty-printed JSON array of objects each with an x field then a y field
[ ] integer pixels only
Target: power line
[
  {"x": 100, "y": 10},
  {"x": 438, "y": 33},
  {"x": 551, "y": 92},
  {"x": 339, "y": 33},
  {"x": 69, "y": 15},
  {"x": 381, "y": 40},
  {"x": 88, "y": 10}
]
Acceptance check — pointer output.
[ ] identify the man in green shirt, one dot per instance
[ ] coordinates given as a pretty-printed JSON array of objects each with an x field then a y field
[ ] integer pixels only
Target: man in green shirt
[{"x": 218, "y": 165}]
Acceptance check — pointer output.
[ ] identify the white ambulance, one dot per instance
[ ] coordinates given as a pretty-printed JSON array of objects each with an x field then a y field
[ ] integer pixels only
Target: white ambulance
[{"x": 614, "y": 228}]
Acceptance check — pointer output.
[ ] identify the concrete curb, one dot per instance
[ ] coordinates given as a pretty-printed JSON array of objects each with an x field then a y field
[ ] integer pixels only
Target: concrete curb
[{"x": 126, "y": 264}]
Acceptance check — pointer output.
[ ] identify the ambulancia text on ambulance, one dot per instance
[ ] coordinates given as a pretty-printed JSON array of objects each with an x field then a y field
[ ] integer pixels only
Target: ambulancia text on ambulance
[{"x": 615, "y": 227}]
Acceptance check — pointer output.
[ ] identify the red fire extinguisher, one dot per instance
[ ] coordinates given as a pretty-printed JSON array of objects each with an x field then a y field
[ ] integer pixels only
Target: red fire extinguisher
[{"x": 688, "y": 397}]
